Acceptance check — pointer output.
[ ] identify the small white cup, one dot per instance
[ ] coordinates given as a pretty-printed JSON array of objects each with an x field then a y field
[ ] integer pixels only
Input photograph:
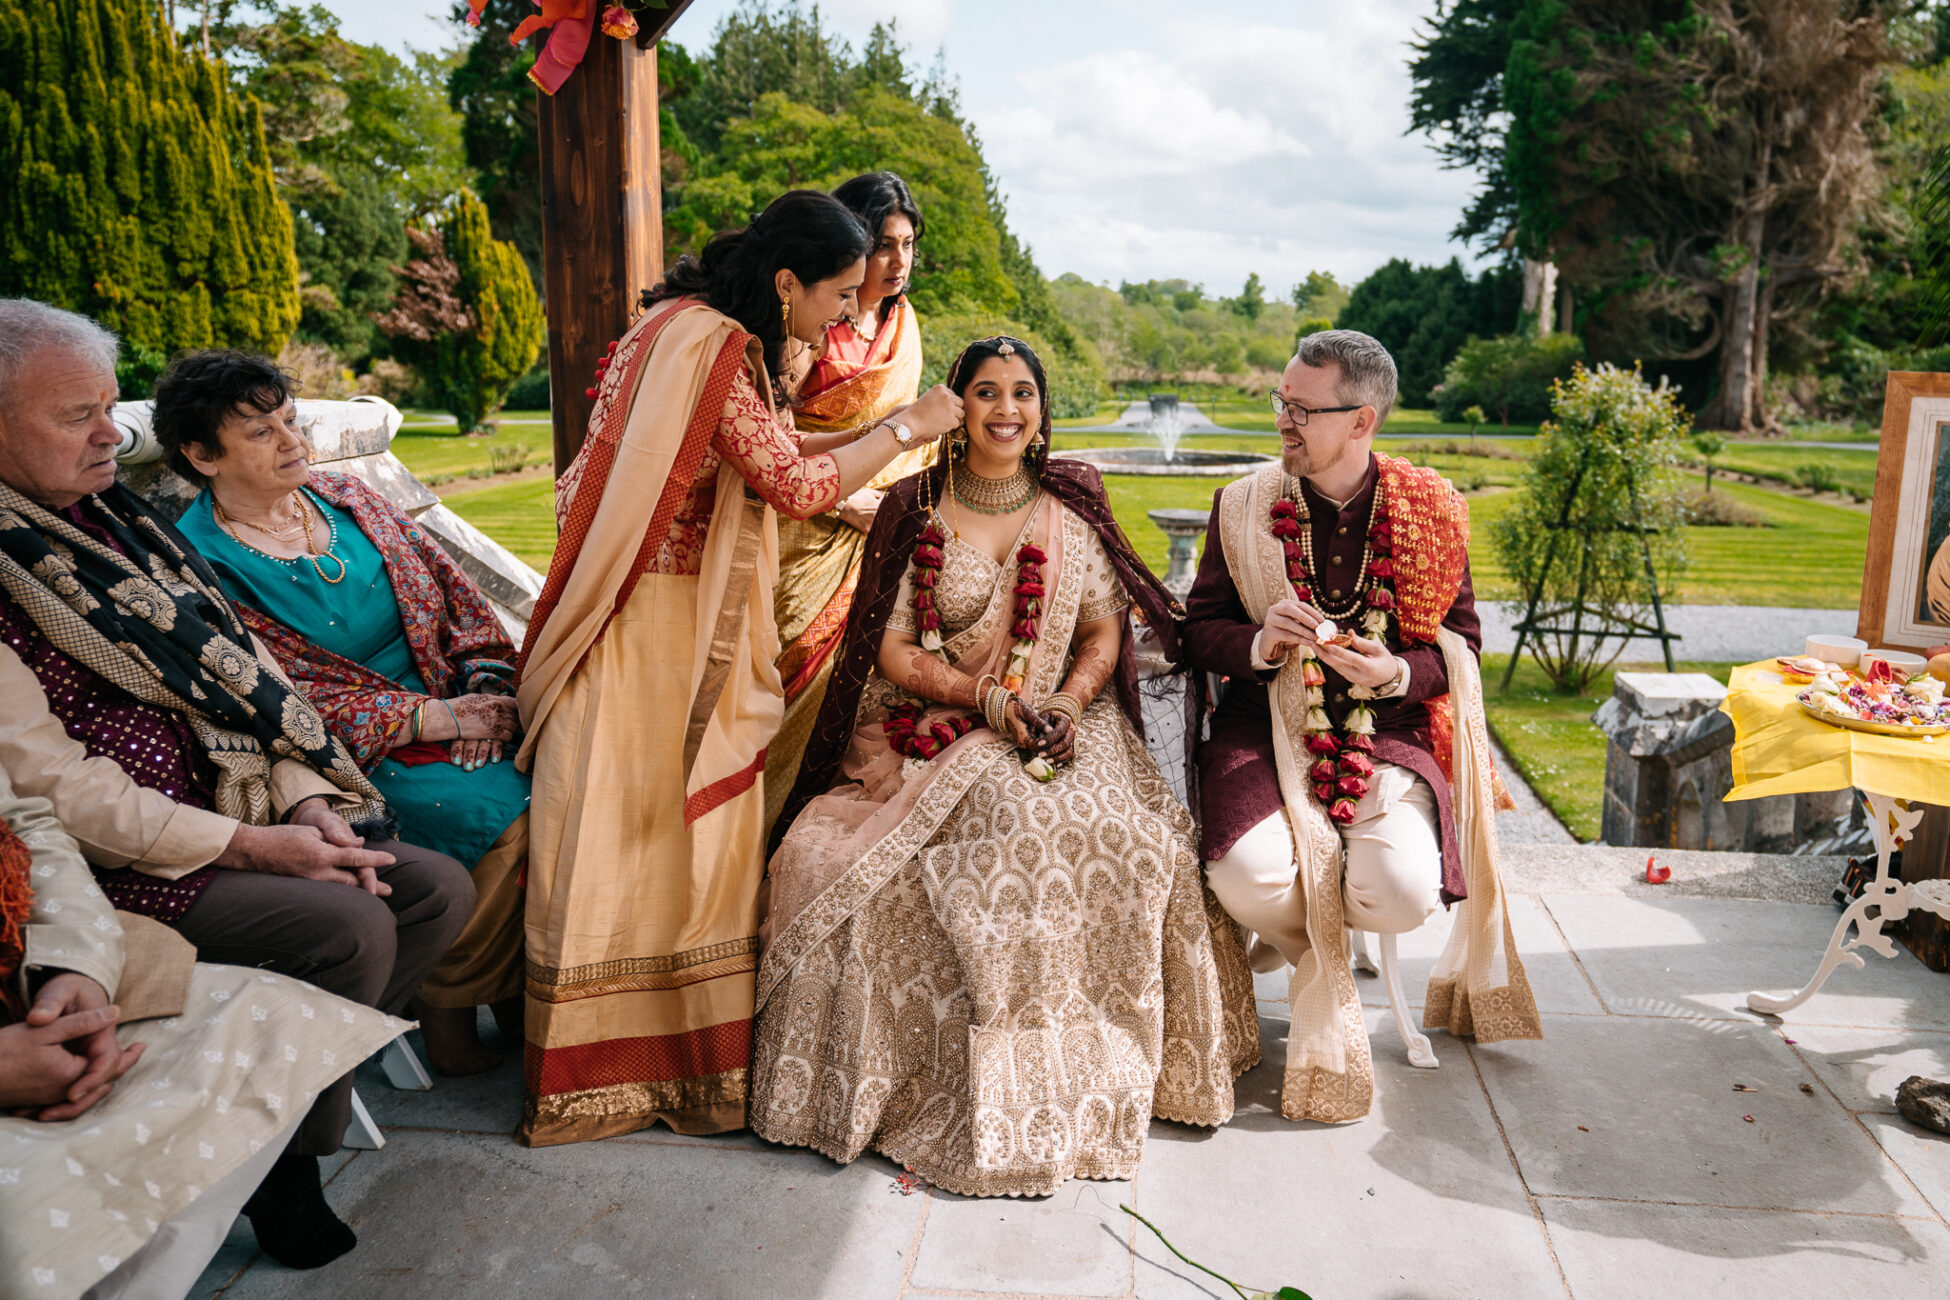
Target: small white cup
[
  {"x": 1842, "y": 651},
  {"x": 1905, "y": 663}
]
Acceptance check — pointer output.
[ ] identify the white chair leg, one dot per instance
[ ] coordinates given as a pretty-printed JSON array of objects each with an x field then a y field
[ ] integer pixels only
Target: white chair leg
[
  {"x": 1363, "y": 959},
  {"x": 403, "y": 1068},
  {"x": 362, "y": 1132},
  {"x": 1420, "y": 1053}
]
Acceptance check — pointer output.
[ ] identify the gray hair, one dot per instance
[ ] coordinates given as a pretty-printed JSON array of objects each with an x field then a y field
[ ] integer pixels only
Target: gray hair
[
  {"x": 27, "y": 327},
  {"x": 1367, "y": 372}
]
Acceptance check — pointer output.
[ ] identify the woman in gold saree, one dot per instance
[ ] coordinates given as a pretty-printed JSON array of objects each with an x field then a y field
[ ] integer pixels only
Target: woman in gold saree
[
  {"x": 647, "y": 687},
  {"x": 869, "y": 364},
  {"x": 994, "y": 971}
]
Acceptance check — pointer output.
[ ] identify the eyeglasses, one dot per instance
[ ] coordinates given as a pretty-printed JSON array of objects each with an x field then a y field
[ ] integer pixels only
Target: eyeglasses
[{"x": 1298, "y": 413}]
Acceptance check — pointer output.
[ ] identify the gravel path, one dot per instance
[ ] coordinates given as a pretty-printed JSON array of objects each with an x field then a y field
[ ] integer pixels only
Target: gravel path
[{"x": 1736, "y": 634}]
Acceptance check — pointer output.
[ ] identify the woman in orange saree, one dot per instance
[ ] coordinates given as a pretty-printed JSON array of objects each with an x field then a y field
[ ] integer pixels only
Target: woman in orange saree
[
  {"x": 647, "y": 687},
  {"x": 870, "y": 364}
]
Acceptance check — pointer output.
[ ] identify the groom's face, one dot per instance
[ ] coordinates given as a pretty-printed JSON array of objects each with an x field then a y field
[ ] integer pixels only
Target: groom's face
[{"x": 1329, "y": 436}]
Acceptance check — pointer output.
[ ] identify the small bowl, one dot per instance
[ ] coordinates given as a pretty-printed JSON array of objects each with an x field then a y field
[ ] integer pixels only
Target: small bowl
[
  {"x": 1905, "y": 663},
  {"x": 1842, "y": 651}
]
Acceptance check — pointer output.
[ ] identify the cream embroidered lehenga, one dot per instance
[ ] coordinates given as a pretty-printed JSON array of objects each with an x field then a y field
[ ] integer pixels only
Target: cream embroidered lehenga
[{"x": 994, "y": 981}]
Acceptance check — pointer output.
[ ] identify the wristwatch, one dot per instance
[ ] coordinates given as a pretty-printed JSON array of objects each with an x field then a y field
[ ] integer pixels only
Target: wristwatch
[{"x": 902, "y": 434}]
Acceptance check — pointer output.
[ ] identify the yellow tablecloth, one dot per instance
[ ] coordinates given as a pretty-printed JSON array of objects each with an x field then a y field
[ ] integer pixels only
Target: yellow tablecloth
[{"x": 1779, "y": 749}]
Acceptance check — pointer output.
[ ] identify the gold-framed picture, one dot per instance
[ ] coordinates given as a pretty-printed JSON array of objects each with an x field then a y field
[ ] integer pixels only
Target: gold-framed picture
[{"x": 1906, "y": 574}]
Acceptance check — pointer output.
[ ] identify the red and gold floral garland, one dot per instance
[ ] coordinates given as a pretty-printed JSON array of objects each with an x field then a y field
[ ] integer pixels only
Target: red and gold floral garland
[
  {"x": 1342, "y": 763},
  {"x": 903, "y": 732}
]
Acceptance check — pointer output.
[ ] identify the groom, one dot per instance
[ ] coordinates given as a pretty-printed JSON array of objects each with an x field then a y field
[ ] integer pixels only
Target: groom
[{"x": 1379, "y": 549}]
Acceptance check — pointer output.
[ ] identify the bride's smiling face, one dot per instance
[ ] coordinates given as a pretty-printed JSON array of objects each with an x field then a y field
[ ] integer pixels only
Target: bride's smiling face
[{"x": 1003, "y": 412}]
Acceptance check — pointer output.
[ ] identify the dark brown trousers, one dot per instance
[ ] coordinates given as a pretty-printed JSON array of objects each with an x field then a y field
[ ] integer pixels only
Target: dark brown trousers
[{"x": 340, "y": 938}]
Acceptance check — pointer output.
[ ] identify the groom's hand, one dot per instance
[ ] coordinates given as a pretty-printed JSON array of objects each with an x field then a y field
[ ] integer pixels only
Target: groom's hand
[
  {"x": 1288, "y": 624},
  {"x": 1362, "y": 662}
]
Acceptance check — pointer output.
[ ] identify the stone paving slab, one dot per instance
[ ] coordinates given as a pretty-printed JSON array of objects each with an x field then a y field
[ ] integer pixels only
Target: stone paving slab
[
  {"x": 1470, "y": 1180},
  {"x": 1645, "y": 1109},
  {"x": 1418, "y": 1199},
  {"x": 1613, "y": 1251},
  {"x": 1701, "y": 957},
  {"x": 1863, "y": 1067},
  {"x": 467, "y": 1215}
]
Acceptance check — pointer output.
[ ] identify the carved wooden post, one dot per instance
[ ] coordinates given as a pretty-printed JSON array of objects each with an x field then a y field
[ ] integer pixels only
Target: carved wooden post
[{"x": 602, "y": 218}]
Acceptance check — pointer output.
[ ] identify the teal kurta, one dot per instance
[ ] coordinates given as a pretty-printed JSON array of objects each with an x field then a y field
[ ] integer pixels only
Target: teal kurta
[{"x": 439, "y": 806}]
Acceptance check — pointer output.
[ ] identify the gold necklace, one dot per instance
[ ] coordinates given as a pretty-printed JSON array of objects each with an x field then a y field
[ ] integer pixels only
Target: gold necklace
[
  {"x": 288, "y": 532},
  {"x": 993, "y": 496},
  {"x": 314, "y": 555}
]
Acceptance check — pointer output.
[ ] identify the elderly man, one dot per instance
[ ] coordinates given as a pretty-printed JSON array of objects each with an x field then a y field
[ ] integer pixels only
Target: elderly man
[
  {"x": 1334, "y": 593},
  {"x": 202, "y": 788}
]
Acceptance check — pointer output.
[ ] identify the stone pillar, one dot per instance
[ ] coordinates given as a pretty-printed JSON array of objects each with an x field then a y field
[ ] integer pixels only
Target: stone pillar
[
  {"x": 1669, "y": 766},
  {"x": 1184, "y": 528}
]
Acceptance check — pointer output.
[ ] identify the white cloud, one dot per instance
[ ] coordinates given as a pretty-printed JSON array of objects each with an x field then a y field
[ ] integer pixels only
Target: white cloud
[{"x": 1120, "y": 114}]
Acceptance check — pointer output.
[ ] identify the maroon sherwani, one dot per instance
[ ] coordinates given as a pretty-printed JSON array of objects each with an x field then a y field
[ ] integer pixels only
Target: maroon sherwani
[{"x": 1239, "y": 783}]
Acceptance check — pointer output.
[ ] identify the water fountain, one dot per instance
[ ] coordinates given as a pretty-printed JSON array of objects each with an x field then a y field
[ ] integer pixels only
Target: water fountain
[{"x": 1169, "y": 422}]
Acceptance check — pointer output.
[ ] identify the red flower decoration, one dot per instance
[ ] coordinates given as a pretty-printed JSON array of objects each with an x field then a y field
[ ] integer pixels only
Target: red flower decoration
[
  {"x": 1324, "y": 742},
  {"x": 1342, "y": 811},
  {"x": 1354, "y": 762},
  {"x": 1323, "y": 791},
  {"x": 1381, "y": 598},
  {"x": 1323, "y": 769},
  {"x": 1361, "y": 744},
  {"x": 1352, "y": 786}
]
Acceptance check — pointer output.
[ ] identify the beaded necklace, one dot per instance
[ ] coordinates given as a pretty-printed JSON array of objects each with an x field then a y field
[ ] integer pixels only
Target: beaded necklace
[
  {"x": 992, "y": 496},
  {"x": 1342, "y": 764},
  {"x": 314, "y": 555}
]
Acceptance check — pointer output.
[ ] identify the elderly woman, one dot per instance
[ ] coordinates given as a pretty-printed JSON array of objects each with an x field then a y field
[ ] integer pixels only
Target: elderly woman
[{"x": 379, "y": 628}]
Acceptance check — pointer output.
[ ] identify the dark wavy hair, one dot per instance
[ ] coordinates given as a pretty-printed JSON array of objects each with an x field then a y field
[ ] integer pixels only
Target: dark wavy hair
[
  {"x": 877, "y": 196},
  {"x": 810, "y": 234},
  {"x": 200, "y": 390}
]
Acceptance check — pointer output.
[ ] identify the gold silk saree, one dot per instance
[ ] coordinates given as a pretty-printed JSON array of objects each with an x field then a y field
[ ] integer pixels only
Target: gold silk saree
[{"x": 819, "y": 558}]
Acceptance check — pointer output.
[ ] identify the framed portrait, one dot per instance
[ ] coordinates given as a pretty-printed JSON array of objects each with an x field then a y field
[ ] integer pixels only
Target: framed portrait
[{"x": 1906, "y": 575}]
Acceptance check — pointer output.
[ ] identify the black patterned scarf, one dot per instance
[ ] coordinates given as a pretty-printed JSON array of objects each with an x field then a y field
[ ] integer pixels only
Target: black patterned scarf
[{"x": 146, "y": 613}]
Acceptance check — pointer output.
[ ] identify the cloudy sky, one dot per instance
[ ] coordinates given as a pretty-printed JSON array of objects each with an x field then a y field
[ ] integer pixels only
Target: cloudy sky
[{"x": 1136, "y": 139}]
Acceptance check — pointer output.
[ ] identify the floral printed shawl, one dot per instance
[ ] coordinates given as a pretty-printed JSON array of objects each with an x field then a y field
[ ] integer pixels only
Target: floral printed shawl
[{"x": 458, "y": 644}]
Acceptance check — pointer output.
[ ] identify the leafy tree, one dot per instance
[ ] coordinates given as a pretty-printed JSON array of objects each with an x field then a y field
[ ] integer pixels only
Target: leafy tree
[
  {"x": 1512, "y": 374},
  {"x": 1423, "y": 315},
  {"x": 468, "y": 317},
  {"x": 1252, "y": 299},
  {"x": 1708, "y": 445},
  {"x": 1703, "y": 165},
  {"x": 1457, "y": 100},
  {"x": 361, "y": 141},
  {"x": 489, "y": 88},
  {"x": 1320, "y": 294},
  {"x": 1598, "y": 493},
  {"x": 139, "y": 187}
]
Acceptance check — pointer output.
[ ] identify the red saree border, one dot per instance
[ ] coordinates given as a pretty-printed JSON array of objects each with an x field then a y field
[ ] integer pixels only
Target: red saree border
[
  {"x": 801, "y": 663},
  {"x": 723, "y": 790},
  {"x": 648, "y": 1058}
]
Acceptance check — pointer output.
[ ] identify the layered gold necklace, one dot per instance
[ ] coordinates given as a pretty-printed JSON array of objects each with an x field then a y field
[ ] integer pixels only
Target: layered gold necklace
[
  {"x": 288, "y": 535},
  {"x": 992, "y": 496}
]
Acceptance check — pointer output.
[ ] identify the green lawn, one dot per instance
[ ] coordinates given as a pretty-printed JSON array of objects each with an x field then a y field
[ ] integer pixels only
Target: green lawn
[
  {"x": 438, "y": 451},
  {"x": 1811, "y": 556},
  {"x": 1256, "y": 415},
  {"x": 1107, "y": 412},
  {"x": 1854, "y": 471},
  {"x": 520, "y": 516},
  {"x": 1557, "y": 750}
]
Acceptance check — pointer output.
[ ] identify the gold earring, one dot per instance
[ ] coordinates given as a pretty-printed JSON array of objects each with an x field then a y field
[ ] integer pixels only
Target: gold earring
[{"x": 785, "y": 316}]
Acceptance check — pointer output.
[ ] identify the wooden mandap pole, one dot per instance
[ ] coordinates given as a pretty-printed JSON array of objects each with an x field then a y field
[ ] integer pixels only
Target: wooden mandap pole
[{"x": 602, "y": 215}]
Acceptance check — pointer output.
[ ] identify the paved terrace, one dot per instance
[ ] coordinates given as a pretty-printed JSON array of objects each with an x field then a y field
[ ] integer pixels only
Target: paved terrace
[{"x": 1614, "y": 1159}]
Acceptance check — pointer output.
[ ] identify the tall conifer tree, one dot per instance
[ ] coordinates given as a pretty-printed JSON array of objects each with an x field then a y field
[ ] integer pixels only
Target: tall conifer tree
[{"x": 139, "y": 188}]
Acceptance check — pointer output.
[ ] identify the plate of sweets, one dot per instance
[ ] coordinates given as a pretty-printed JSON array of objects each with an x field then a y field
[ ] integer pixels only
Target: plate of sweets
[
  {"x": 1805, "y": 668},
  {"x": 1883, "y": 703}
]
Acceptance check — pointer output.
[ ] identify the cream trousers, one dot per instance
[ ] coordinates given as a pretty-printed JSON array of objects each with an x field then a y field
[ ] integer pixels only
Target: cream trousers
[{"x": 1392, "y": 881}]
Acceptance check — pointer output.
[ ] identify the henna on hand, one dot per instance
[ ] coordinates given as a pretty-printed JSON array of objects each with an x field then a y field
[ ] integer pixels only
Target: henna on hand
[
  {"x": 1091, "y": 669},
  {"x": 1059, "y": 743},
  {"x": 1026, "y": 728},
  {"x": 921, "y": 673}
]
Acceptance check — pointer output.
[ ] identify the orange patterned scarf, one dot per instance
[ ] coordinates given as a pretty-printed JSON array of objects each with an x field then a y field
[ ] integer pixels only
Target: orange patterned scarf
[
  {"x": 16, "y": 897},
  {"x": 1430, "y": 522}
]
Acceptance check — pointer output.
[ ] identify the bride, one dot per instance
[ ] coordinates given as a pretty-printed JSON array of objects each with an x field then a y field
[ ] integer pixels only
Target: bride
[{"x": 990, "y": 953}]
